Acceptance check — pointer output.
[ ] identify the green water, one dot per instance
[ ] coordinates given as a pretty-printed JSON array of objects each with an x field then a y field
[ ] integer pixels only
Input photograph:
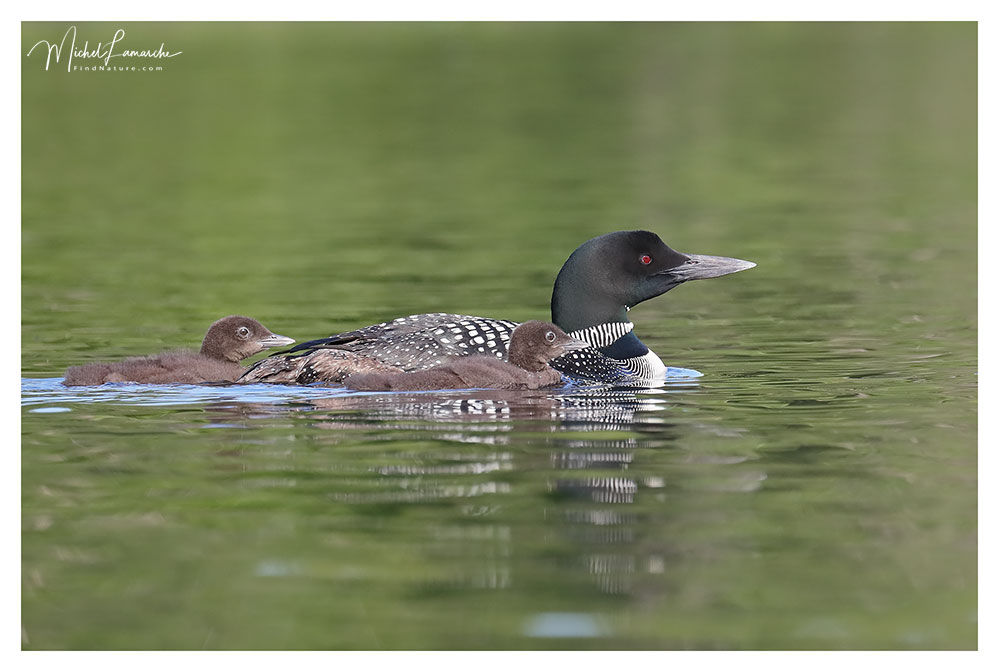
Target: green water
[{"x": 817, "y": 488}]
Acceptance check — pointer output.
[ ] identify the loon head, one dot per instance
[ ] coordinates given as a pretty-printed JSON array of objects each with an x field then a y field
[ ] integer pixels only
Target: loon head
[
  {"x": 607, "y": 275},
  {"x": 236, "y": 337}
]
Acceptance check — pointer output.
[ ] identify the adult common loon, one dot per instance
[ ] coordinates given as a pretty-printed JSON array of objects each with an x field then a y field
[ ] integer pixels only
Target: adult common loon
[
  {"x": 596, "y": 287},
  {"x": 228, "y": 341},
  {"x": 532, "y": 345}
]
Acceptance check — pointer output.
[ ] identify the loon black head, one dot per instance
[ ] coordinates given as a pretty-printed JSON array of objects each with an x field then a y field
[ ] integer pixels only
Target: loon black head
[
  {"x": 236, "y": 337},
  {"x": 609, "y": 274}
]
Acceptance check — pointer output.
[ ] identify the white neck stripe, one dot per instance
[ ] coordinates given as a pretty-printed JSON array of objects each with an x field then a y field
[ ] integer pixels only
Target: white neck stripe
[{"x": 603, "y": 335}]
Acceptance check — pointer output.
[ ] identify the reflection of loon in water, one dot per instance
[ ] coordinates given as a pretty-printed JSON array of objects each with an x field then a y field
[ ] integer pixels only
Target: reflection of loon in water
[
  {"x": 577, "y": 452},
  {"x": 594, "y": 480},
  {"x": 496, "y": 416}
]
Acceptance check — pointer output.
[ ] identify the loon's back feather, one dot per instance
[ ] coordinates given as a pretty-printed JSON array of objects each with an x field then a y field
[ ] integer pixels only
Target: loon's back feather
[{"x": 393, "y": 329}]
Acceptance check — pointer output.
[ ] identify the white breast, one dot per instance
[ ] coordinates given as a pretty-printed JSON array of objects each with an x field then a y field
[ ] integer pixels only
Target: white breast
[{"x": 648, "y": 366}]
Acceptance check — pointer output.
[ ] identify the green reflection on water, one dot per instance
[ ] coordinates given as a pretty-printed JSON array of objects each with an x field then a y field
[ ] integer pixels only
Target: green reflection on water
[{"x": 816, "y": 489}]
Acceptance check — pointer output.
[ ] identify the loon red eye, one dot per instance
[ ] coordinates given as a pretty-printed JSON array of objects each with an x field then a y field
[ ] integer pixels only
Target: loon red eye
[{"x": 646, "y": 260}]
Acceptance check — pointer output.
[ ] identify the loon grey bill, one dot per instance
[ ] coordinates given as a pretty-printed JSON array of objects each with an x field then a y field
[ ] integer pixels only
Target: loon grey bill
[{"x": 701, "y": 266}]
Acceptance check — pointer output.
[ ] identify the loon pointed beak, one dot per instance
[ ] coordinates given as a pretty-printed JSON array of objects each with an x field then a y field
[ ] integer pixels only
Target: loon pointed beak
[
  {"x": 701, "y": 266},
  {"x": 275, "y": 341}
]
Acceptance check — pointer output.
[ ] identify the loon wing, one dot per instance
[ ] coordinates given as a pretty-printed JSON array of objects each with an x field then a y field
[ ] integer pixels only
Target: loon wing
[
  {"x": 418, "y": 341},
  {"x": 392, "y": 329}
]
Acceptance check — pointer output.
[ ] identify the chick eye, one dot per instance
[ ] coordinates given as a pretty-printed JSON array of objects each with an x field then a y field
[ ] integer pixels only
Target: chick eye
[
  {"x": 550, "y": 336},
  {"x": 242, "y": 332},
  {"x": 645, "y": 259}
]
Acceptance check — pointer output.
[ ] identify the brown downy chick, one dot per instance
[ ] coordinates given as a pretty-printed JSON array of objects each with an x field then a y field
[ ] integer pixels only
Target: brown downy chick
[{"x": 227, "y": 342}]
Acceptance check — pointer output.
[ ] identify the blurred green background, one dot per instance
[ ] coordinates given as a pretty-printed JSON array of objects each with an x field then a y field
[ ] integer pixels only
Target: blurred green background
[{"x": 321, "y": 177}]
